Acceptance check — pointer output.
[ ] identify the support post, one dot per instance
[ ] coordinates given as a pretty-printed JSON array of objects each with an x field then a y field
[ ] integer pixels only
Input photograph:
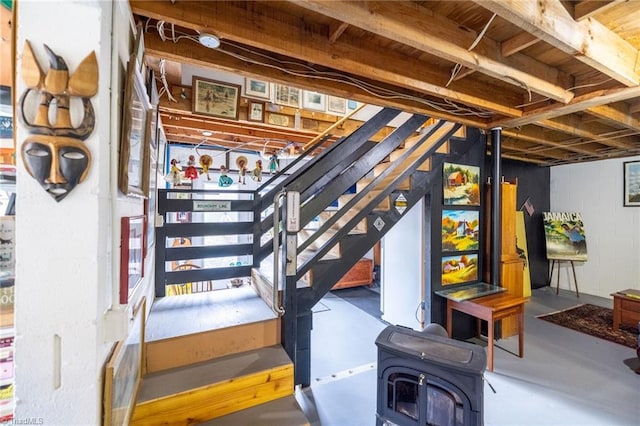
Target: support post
[{"x": 496, "y": 205}]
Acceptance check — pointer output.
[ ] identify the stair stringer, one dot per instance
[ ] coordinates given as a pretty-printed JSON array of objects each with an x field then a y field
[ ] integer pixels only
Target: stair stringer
[
  {"x": 372, "y": 204},
  {"x": 326, "y": 273}
]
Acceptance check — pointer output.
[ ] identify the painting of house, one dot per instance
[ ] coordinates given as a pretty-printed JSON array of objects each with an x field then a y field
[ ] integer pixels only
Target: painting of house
[
  {"x": 461, "y": 184},
  {"x": 459, "y": 269},
  {"x": 460, "y": 230}
]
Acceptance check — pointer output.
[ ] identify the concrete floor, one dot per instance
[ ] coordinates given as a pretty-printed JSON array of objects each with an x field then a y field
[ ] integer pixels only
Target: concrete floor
[{"x": 565, "y": 378}]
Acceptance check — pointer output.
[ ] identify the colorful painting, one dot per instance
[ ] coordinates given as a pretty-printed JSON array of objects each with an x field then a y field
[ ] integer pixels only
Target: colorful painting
[
  {"x": 459, "y": 269},
  {"x": 523, "y": 253},
  {"x": 564, "y": 236},
  {"x": 460, "y": 230},
  {"x": 461, "y": 184},
  {"x": 632, "y": 184}
]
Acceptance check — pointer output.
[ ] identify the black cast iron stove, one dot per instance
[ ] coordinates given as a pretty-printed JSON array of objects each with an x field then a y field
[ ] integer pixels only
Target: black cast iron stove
[{"x": 427, "y": 379}]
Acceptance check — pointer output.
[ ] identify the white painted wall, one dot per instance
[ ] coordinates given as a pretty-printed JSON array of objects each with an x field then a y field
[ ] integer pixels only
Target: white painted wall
[
  {"x": 613, "y": 232},
  {"x": 402, "y": 270},
  {"x": 67, "y": 314}
]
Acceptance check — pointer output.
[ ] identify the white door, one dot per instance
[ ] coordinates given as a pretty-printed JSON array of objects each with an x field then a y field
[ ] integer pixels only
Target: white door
[{"x": 402, "y": 270}]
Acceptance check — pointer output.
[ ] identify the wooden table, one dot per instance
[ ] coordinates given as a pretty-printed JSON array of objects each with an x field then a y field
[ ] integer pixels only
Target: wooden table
[
  {"x": 491, "y": 309},
  {"x": 626, "y": 308}
]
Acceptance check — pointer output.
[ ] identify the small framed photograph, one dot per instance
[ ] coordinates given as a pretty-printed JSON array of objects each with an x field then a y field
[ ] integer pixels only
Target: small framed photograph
[
  {"x": 336, "y": 104},
  {"x": 314, "y": 100},
  {"x": 132, "y": 236},
  {"x": 287, "y": 95},
  {"x": 135, "y": 144},
  {"x": 256, "y": 111},
  {"x": 215, "y": 98},
  {"x": 632, "y": 183},
  {"x": 256, "y": 88}
]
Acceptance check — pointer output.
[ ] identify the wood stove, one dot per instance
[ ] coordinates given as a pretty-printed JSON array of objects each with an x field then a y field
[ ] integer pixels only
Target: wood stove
[{"x": 427, "y": 379}]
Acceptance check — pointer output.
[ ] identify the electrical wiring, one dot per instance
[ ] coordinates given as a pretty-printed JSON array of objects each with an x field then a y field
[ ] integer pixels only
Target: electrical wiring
[{"x": 307, "y": 71}]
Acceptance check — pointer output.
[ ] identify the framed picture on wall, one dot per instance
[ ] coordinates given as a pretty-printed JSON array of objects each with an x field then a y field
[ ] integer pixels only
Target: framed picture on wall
[
  {"x": 460, "y": 230},
  {"x": 631, "y": 183},
  {"x": 215, "y": 98},
  {"x": 287, "y": 95},
  {"x": 336, "y": 104},
  {"x": 133, "y": 167},
  {"x": 257, "y": 88},
  {"x": 256, "y": 111},
  {"x": 123, "y": 372},
  {"x": 132, "y": 244},
  {"x": 314, "y": 100},
  {"x": 459, "y": 269},
  {"x": 460, "y": 184}
]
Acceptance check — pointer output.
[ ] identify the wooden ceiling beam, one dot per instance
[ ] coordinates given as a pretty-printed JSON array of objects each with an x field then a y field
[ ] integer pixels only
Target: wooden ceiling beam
[
  {"x": 256, "y": 28},
  {"x": 533, "y": 134},
  {"x": 415, "y": 26},
  {"x": 617, "y": 114},
  {"x": 517, "y": 43},
  {"x": 587, "y": 9},
  {"x": 573, "y": 125},
  {"x": 336, "y": 30},
  {"x": 579, "y": 103},
  {"x": 588, "y": 41},
  {"x": 634, "y": 107}
]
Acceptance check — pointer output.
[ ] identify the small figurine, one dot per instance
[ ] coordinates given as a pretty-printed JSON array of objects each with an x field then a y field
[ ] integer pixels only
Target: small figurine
[
  {"x": 173, "y": 177},
  {"x": 205, "y": 162},
  {"x": 257, "y": 171},
  {"x": 273, "y": 163},
  {"x": 241, "y": 162},
  {"x": 224, "y": 180},
  {"x": 191, "y": 172}
]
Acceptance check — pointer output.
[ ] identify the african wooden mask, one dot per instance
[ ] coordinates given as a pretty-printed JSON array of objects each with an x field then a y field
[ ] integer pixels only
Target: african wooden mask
[{"x": 54, "y": 154}]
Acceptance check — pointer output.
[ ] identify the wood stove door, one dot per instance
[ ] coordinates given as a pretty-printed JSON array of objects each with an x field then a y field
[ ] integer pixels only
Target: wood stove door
[{"x": 414, "y": 397}]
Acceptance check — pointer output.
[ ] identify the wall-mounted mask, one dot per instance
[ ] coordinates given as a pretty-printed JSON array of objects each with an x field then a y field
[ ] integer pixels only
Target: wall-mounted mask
[{"x": 54, "y": 154}]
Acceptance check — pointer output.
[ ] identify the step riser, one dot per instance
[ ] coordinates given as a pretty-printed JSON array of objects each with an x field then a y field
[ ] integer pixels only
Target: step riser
[
  {"x": 184, "y": 350},
  {"x": 216, "y": 400}
]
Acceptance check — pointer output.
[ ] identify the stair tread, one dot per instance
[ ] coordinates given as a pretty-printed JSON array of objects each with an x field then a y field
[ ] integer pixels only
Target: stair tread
[
  {"x": 282, "y": 412},
  {"x": 182, "y": 379},
  {"x": 193, "y": 313}
]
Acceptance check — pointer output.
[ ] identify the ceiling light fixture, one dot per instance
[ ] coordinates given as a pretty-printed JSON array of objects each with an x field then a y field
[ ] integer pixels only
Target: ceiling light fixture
[
  {"x": 206, "y": 133},
  {"x": 209, "y": 40}
]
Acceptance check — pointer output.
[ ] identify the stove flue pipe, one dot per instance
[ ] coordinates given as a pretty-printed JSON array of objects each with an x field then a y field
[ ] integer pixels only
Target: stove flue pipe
[{"x": 496, "y": 205}]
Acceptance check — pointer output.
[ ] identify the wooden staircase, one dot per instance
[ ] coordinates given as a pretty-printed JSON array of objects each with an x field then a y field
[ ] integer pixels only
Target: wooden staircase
[
  {"x": 232, "y": 361},
  {"x": 237, "y": 368}
]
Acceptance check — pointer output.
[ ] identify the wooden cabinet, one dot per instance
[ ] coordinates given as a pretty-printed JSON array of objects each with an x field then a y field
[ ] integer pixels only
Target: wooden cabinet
[
  {"x": 360, "y": 274},
  {"x": 511, "y": 265}
]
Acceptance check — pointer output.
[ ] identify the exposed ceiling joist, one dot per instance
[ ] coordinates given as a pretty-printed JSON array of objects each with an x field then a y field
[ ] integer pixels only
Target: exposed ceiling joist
[
  {"x": 414, "y": 26},
  {"x": 589, "y": 41}
]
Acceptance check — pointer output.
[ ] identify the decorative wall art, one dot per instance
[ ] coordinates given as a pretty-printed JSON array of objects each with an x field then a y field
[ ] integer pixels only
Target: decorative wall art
[
  {"x": 57, "y": 140},
  {"x": 314, "y": 101},
  {"x": 631, "y": 183},
  {"x": 287, "y": 95},
  {"x": 564, "y": 236},
  {"x": 215, "y": 98},
  {"x": 132, "y": 236},
  {"x": 459, "y": 269},
  {"x": 256, "y": 111},
  {"x": 257, "y": 88},
  {"x": 133, "y": 176},
  {"x": 123, "y": 372},
  {"x": 337, "y": 105},
  {"x": 460, "y": 230},
  {"x": 461, "y": 184}
]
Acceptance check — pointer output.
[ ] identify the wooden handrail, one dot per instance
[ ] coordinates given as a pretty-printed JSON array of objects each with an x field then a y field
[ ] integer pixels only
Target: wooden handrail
[{"x": 333, "y": 126}]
